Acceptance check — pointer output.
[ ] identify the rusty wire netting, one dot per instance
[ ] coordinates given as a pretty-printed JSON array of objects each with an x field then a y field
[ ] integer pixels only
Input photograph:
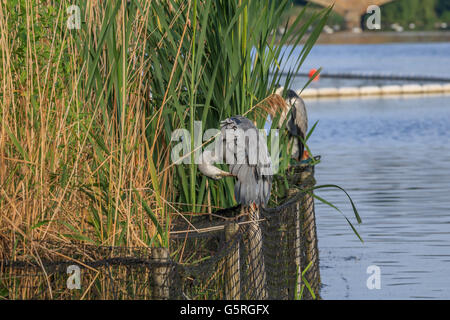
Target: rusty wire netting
[{"x": 240, "y": 253}]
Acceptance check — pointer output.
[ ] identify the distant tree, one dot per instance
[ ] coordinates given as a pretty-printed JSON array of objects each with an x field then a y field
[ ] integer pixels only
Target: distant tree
[
  {"x": 442, "y": 6},
  {"x": 300, "y": 2},
  {"x": 443, "y": 10},
  {"x": 420, "y": 12},
  {"x": 423, "y": 13}
]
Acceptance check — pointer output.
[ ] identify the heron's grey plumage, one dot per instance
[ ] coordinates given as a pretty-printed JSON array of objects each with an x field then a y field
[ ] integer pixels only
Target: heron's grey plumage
[
  {"x": 253, "y": 185},
  {"x": 297, "y": 123},
  {"x": 254, "y": 180},
  {"x": 245, "y": 150}
]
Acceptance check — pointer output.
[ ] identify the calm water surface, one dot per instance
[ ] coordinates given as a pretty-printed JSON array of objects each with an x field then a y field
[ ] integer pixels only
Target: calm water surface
[
  {"x": 393, "y": 157},
  {"x": 432, "y": 59}
]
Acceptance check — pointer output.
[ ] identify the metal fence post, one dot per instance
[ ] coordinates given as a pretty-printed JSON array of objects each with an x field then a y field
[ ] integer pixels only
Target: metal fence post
[{"x": 232, "y": 264}]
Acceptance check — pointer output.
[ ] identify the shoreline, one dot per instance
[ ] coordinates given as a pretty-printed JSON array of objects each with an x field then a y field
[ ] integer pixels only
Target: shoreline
[{"x": 378, "y": 37}]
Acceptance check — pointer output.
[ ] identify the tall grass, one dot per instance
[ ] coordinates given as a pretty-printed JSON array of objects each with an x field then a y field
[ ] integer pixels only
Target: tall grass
[{"x": 87, "y": 115}]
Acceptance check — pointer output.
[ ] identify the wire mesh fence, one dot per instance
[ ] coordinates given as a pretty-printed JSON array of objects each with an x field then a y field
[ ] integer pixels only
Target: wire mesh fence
[{"x": 239, "y": 253}]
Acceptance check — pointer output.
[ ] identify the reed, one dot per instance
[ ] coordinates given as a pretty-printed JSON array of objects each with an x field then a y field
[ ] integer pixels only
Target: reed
[{"x": 87, "y": 114}]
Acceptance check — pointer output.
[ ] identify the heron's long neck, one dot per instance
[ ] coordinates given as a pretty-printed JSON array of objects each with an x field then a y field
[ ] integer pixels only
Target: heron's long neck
[
  {"x": 207, "y": 166},
  {"x": 209, "y": 157}
]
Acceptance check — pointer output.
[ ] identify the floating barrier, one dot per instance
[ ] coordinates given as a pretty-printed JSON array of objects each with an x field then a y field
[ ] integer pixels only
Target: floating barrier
[
  {"x": 377, "y": 76},
  {"x": 387, "y": 90}
]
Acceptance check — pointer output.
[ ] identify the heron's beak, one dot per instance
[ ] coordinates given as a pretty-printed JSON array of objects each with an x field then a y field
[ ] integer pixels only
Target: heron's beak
[
  {"x": 305, "y": 155},
  {"x": 228, "y": 174}
]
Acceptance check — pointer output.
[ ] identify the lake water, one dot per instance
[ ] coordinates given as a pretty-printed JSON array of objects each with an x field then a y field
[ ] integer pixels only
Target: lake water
[
  {"x": 393, "y": 157},
  {"x": 431, "y": 59}
]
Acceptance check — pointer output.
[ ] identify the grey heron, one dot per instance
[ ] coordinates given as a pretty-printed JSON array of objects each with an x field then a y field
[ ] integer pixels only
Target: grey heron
[
  {"x": 297, "y": 123},
  {"x": 245, "y": 150}
]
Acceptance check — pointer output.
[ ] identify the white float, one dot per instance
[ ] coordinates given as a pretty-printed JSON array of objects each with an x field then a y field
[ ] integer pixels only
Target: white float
[
  {"x": 370, "y": 90},
  {"x": 412, "y": 88},
  {"x": 392, "y": 89},
  {"x": 308, "y": 92},
  {"x": 328, "y": 92},
  {"x": 348, "y": 91}
]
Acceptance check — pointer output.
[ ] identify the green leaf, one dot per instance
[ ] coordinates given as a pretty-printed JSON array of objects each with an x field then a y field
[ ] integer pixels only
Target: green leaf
[
  {"x": 41, "y": 223},
  {"x": 355, "y": 211}
]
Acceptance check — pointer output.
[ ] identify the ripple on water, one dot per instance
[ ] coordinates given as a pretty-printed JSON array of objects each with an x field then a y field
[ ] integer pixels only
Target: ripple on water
[{"x": 393, "y": 157}]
